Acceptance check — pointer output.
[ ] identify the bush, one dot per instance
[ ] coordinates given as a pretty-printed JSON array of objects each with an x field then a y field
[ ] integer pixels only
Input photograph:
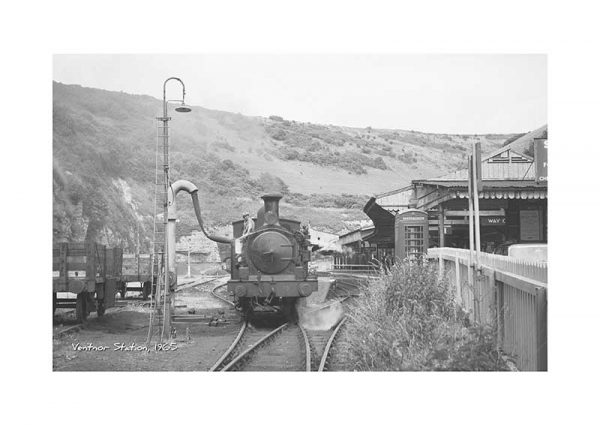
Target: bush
[
  {"x": 408, "y": 320},
  {"x": 279, "y": 135}
]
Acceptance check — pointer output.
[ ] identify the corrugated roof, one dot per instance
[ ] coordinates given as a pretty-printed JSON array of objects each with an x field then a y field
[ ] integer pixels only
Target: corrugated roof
[{"x": 396, "y": 200}]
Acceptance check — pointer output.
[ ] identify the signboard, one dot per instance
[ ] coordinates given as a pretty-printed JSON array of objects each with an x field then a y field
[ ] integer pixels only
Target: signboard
[
  {"x": 492, "y": 221},
  {"x": 411, "y": 218},
  {"x": 540, "y": 151},
  {"x": 530, "y": 225}
]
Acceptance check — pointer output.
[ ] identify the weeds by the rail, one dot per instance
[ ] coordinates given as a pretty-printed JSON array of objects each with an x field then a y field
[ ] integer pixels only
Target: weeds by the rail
[{"x": 408, "y": 320}]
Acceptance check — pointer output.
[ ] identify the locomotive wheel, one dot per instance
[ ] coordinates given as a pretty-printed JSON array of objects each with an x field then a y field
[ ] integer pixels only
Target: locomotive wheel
[
  {"x": 244, "y": 308},
  {"x": 81, "y": 307}
]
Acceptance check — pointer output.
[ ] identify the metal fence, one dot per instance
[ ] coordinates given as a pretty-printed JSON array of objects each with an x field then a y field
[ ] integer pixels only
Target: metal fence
[{"x": 508, "y": 293}]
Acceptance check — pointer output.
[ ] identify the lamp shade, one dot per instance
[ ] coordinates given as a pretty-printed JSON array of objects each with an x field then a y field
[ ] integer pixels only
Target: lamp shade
[{"x": 183, "y": 108}]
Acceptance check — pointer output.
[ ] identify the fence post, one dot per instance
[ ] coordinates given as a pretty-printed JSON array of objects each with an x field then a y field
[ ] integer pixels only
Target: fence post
[
  {"x": 440, "y": 265},
  {"x": 541, "y": 330},
  {"x": 457, "y": 276},
  {"x": 500, "y": 311}
]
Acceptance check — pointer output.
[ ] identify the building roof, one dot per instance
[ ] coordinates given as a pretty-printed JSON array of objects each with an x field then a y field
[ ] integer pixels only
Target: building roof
[
  {"x": 396, "y": 200},
  {"x": 383, "y": 221},
  {"x": 487, "y": 184},
  {"x": 503, "y": 165},
  {"x": 521, "y": 144},
  {"x": 356, "y": 235}
]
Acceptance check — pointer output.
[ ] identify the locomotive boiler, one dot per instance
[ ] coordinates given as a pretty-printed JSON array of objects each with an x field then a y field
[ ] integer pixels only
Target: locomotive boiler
[{"x": 269, "y": 267}]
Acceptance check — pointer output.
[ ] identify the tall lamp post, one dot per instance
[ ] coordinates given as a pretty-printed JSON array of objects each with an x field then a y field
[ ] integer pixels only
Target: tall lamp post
[{"x": 169, "y": 274}]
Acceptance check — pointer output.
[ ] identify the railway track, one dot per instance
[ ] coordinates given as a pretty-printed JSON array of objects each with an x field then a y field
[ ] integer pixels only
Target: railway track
[
  {"x": 326, "y": 352},
  {"x": 288, "y": 347},
  {"x": 221, "y": 297},
  {"x": 62, "y": 332},
  {"x": 270, "y": 349}
]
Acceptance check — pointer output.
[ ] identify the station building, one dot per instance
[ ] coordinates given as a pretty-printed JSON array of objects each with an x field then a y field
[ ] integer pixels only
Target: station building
[{"x": 512, "y": 202}]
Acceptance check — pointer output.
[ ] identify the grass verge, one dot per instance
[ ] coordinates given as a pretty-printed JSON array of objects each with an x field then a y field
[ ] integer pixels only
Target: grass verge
[{"x": 408, "y": 320}]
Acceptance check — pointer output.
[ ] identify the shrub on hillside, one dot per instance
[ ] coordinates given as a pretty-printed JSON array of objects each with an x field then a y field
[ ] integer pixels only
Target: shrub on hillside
[
  {"x": 408, "y": 320},
  {"x": 279, "y": 135}
]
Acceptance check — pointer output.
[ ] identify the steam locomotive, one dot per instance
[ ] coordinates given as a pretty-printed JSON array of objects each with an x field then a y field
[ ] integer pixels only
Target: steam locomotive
[{"x": 269, "y": 267}]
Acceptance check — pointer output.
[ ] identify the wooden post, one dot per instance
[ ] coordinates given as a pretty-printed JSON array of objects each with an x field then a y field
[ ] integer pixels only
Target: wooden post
[
  {"x": 441, "y": 226},
  {"x": 476, "y": 204},
  {"x": 541, "y": 329},
  {"x": 500, "y": 312},
  {"x": 471, "y": 237},
  {"x": 457, "y": 276}
]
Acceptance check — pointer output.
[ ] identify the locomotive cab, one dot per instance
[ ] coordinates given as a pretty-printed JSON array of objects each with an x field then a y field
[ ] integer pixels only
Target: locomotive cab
[{"x": 270, "y": 271}]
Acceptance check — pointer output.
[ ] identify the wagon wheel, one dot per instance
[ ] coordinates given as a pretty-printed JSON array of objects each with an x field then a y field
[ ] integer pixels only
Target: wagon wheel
[
  {"x": 101, "y": 309},
  {"x": 147, "y": 288},
  {"x": 81, "y": 307}
]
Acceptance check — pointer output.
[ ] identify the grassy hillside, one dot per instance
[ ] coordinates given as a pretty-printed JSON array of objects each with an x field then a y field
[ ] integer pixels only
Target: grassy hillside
[{"x": 104, "y": 155}]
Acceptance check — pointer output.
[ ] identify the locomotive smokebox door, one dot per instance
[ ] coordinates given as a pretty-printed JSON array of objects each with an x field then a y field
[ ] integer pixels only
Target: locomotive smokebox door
[
  {"x": 271, "y": 252},
  {"x": 412, "y": 234}
]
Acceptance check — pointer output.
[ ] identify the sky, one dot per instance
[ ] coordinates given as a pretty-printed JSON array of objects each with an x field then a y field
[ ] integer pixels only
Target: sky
[{"x": 465, "y": 94}]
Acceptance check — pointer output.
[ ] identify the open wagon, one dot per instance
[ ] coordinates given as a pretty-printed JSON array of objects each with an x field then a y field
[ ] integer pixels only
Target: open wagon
[
  {"x": 84, "y": 277},
  {"x": 136, "y": 268}
]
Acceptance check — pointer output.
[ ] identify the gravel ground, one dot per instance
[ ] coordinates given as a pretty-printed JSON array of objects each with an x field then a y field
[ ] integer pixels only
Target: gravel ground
[{"x": 117, "y": 341}]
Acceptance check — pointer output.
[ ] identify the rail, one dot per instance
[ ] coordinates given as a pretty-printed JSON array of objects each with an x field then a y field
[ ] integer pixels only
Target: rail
[{"x": 509, "y": 294}]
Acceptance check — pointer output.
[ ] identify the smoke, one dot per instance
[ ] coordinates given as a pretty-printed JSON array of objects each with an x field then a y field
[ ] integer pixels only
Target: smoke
[{"x": 320, "y": 318}]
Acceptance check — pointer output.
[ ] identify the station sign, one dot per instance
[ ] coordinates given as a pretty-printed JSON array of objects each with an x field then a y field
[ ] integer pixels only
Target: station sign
[
  {"x": 484, "y": 221},
  {"x": 492, "y": 221}
]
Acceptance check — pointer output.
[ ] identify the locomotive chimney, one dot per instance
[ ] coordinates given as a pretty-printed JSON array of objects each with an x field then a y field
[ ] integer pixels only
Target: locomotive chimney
[{"x": 272, "y": 208}]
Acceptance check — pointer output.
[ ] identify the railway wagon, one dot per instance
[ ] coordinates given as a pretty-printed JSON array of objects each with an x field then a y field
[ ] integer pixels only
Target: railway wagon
[
  {"x": 137, "y": 268},
  {"x": 88, "y": 270},
  {"x": 269, "y": 267}
]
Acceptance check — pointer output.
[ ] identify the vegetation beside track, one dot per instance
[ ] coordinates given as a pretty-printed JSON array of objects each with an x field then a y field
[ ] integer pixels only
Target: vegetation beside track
[{"x": 408, "y": 320}]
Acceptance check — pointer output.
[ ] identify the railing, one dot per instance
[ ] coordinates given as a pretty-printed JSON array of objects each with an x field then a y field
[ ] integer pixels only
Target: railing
[
  {"x": 355, "y": 267},
  {"x": 508, "y": 293}
]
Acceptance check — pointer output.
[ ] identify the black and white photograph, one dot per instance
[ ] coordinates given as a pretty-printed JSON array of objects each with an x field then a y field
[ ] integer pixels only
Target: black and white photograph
[
  {"x": 314, "y": 213},
  {"x": 300, "y": 212}
]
